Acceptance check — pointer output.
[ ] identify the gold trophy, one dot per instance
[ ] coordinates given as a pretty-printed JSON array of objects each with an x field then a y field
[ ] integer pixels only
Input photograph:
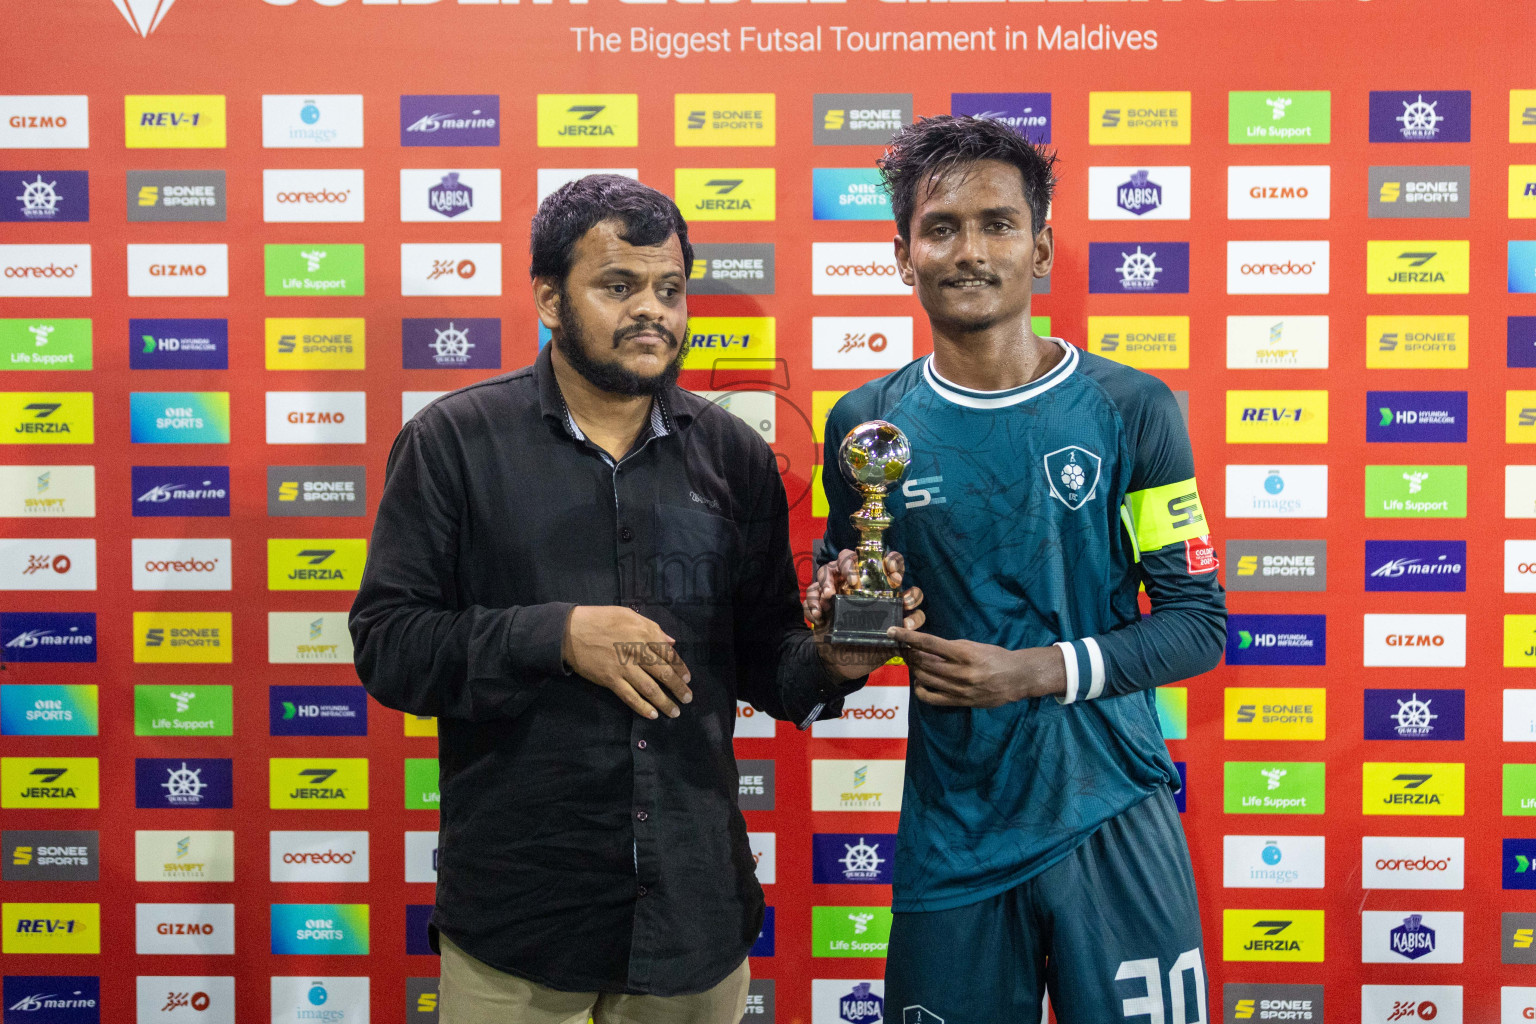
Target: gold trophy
[{"x": 873, "y": 458}]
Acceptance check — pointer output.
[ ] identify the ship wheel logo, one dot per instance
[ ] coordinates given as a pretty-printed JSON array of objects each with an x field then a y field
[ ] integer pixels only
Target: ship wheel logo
[
  {"x": 38, "y": 198},
  {"x": 1419, "y": 119},
  {"x": 452, "y": 344},
  {"x": 861, "y": 859},
  {"x": 1138, "y": 271},
  {"x": 1413, "y": 716},
  {"x": 184, "y": 785}
]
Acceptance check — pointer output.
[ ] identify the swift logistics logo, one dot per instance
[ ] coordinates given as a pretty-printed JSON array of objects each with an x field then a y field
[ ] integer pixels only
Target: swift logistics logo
[
  {"x": 1277, "y": 343},
  {"x": 45, "y": 343},
  {"x": 44, "y": 197},
  {"x": 179, "y": 855},
  {"x": 1277, "y": 565},
  {"x": 169, "y": 783},
  {"x": 195, "y": 637},
  {"x": 52, "y": 928},
  {"x": 1416, "y": 342},
  {"x": 848, "y": 193},
  {"x": 1418, "y": 566},
  {"x": 313, "y": 121},
  {"x": 178, "y": 270},
  {"x": 329, "y": 929},
  {"x": 296, "y": 638},
  {"x": 181, "y": 490},
  {"x": 1417, "y": 714},
  {"x": 1275, "y": 713},
  {"x": 183, "y": 710},
  {"x": 1274, "y": 935},
  {"x": 318, "y": 783},
  {"x": 725, "y": 193},
  {"x": 604, "y": 120},
  {"x": 179, "y": 196},
  {"x": 1419, "y": 267},
  {"x": 178, "y": 417},
  {"x": 469, "y": 343},
  {"x": 454, "y": 121},
  {"x": 856, "y": 785},
  {"x": 1277, "y": 640},
  {"x": 1277, "y": 417},
  {"x": 858, "y": 119},
  {"x": 1138, "y": 268},
  {"x": 47, "y": 492},
  {"x": 1138, "y": 118},
  {"x": 49, "y": 782},
  {"x": 46, "y": 122},
  {"x": 1138, "y": 193},
  {"x": 316, "y": 343},
  {"x": 1415, "y": 416},
  {"x": 1028, "y": 113},
  {"x": 174, "y": 122},
  {"x": 1145, "y": 342},
  {"x": 309, "y": 564},
  {"x": 1416, "y": 788},
  {"x": 56, "y": 637},
  {"x": 314, "y": 269},
  {"x": 317, "y": 491},
  {"x": 741, "y": 268},
  {"x": 1416, "y": 492},
  {"x": 1281, "y": 118},
  {"x": 178, "y": 344},
  {"x": 1430, "y": 115},
  {"x": 318, "y": 711},
  {"x": 1420, "y": 192},
  {"x": 723, "y": 119},
  {"x": 51, "y": 856},
  {"x": 49, "y": 710}
]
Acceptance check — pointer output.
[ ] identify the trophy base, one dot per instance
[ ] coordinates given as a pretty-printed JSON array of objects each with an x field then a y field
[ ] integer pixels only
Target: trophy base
[{"x": 862, "y": 621}]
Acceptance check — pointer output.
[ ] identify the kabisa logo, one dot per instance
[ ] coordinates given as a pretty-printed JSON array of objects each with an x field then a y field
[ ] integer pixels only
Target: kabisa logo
[
  {"x": 1421, "y": 116},
  {"x": 848, "y": 193},
  {"x": 1415, "y": 714},
  {"x": 45, "y": 196},
  {"x": 1294, "y": 935},
  {"x": 450, "y": 197},
  {"x": 318, "y": 711},
  {"x": 46, "y": 122},
  {"x": 165, "y": 782},
  {"x": 1028, "y": 113},
  {"x": 1435, "y": 416},
  {"x": 178, "y": 344},
  {"x": 176, "y": 196},
  {"x": 856, "y": 119},
  {"x": 861, "y": 1006},
  {"x": 1412, "y": 939},
  {"x": 452, "y": 344},
  {"x": 52, "y": 999},
  {"x": 1138, "y": 118},
  {"x": 852, "y": 859},
  {"x": 1277, "y": 640},
  {"x": 174, "y": 122},
  {"x": 1138, "y": 268},
  {"x": 724, "y": 119},
  {"x": 181, "y": 490},
  {"x": 450, "y": 121},
  {"x": 49, "y": 782},
  {"x": 726, "y": 193},
  {"x": 459, "y": 195},
  {"x": 1138, "y": 193},
  {"x": 741, "y": 268},
  {"x": 1418, "y": 267},
  {"x": 1415, "y": 565},
  {"x": 48, "y": 637}
]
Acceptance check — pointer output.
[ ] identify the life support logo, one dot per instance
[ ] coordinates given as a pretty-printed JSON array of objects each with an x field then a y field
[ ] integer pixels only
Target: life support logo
[{"x": 1073, "y": 475}]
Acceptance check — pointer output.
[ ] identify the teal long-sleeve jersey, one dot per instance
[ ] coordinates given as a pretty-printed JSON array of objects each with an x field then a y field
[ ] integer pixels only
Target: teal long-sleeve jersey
[{"x": 1032, "y": 517}]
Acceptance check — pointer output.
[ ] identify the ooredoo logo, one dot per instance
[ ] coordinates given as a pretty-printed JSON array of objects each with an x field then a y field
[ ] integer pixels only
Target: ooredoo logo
[
  {"x": 45, "y": 271},
  {"x": 181, "y": 564},
  {"x": 855, "y": 268},
  {"x": 875, "y": 711},
  {"x": 325, "y": 857},
  {"x": 1412, "y": 862},
  {"x": 1277, "y": 268},
  {"x": 312, "y": 196},
  {"x": 319, "y": 856}
]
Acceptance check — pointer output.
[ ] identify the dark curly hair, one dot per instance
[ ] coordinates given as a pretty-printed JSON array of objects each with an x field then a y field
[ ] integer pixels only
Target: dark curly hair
[
  {"x": 566, "y": 214},
  {"x": 931, "y": 148}
]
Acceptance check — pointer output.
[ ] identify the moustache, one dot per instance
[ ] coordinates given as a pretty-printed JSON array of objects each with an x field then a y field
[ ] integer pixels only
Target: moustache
[{"x": 624, "y": 334}]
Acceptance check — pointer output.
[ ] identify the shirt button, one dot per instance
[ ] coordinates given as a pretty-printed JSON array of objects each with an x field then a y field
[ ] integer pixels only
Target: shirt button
[
  {"x": 644, "y": 891},
  {"x": 641, "y": 815},
  {"x": 626, "y": 534},
  {"x": 641, "y": 744}
]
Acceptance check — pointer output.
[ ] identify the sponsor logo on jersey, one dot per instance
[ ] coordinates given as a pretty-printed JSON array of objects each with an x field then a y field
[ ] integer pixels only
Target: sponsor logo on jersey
[
  {"x": 1275, "y": 713},
  {"x": 317, "y": 417},
  {"x": 45, "y": 343},
  {"x": 856, "y": 785},
  {"x": 1278, "y": 192},
  {"x": 197, "y": 637},
  {"x": 588, "y": 119},
  {"x": 182, "y": 856},
  {"x": 1295, "y": 935},
  {"x": 1417, "y": 416},
  {"x": 1272, "y": 1002},
  {"x": 1420, "y": 192},
  {"x": 176, "y": 196},
  {"x": 320, "y": 928},
  {"x": 726, "y": 193},
  {"x": 452, "y": 344},
  {"x": 1415, "y": 565},
  {"x": 314, "y": 269},
  {"x": 184, "y": 929},
  {"x": 311, "y": 196},
  {"x": 312, "y": 121},
  {"x": 48, "y": 710},
  {"x": 178, "y": 344},
  {"x": 450, "y": 268},
  {"x": 848, "y": 193},
  {"x": 456, "y": 195},
  {"x": 318, "y": 711},
  {"x": 850, "y": 931},
  {"x": 179, "y": 417},
  {"x": 860, "y": 342},
  {"x": 1438, "y": 267},
  {"x": 854, "y": 268},
  {"x": 318, "y": 783},
  {"x": 1431, "y": 115},
  {"x": 1416, "y": 640},
  {"x": 45, "y": 271},
  {"x": 722, "y": 119},
  {"x": 846, "y": 1002},
  {"x": 1138, "y": 118},
  {"x": 1417, "y": 714},
  {"x": 50, "y": 856},
  {"x": 1395, "y": 937},
  {"x": 755, "y": 784},
  {"x": 874, "y": 711},
  {"x": 1290, "y": 565},
  {"x": 1277, "y": 640},
  {"x": 169, "y": 782},
  {"x": 181, "y": 490},
  {"x": 1028, "y": 113},
  {"x": 184, "y": 710},
  {"x": 1412, "y": 862},
  {"x": 1138, "y": 268},
  {"x": 1287, "y": 117},
  {"x": 858, "y": 119},
  {"x": 1418, "y": 492},
  {"x": 1145, "y": 342},
  {"x": 1272, "y": 862},
  {"x": 47, "y": 492},
  {"x": 1138, "y": 193},
  {"x": 68, "y": 637},
  {"x": 44, "y": 197},
  {"x": 186, "y": 1000},
  {"x": 1395, "y": 787},
  {"x": 316, "y": 343},
  {"x": 1277, "y": 268},
  {"x": 49, "y": 122},
  {"x": 52, "y": 928},
  {"x": 842, "y": 859},
  {"x": 174, "y": 122},
  {"x": 310, "y": 564},
  {"x": 1277, "y": 417},
  {"x": 49, "y": 782},
  {"x": 178, "y": 270},
  {"x": 457, "y": 121},
  {"x": 319, "y": 856},
  {"x": 48, "y": 564},
  {"x": 744, "y": 268}
]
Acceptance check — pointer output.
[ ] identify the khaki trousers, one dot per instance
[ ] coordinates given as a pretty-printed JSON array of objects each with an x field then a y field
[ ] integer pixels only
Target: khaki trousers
[{"x": 473, "y": 993}]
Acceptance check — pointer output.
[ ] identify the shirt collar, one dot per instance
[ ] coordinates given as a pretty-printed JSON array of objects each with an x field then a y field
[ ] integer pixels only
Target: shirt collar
[
  {"x": 552, "y": 403},
  {"x": 973, "y": 399}
]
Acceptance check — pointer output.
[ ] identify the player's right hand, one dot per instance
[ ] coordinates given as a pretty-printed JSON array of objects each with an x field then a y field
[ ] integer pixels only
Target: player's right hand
[
  {"x": 623, "y": 651},
  {"x": 832, "y": 577}
]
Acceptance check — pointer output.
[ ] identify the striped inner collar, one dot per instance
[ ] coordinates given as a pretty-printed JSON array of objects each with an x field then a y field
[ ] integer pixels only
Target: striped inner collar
[{"x": 973, "y": 399}]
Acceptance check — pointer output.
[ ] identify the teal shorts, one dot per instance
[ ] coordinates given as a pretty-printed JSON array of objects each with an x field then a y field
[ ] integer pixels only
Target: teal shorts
[{"x": 1112, "y": 932}]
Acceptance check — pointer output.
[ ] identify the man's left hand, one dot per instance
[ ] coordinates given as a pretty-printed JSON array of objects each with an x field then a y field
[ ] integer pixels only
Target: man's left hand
[{"x": 966, "y": 674}]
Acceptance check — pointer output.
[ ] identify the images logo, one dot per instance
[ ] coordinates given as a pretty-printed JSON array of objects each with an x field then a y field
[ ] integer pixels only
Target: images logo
[
  {"x": 1277, "y": 417},
  {"x": 1138, "y": 193},
  {"x": 51, "y": 710},
  {"x": 318, "y": 711},
  {"x": 315, "y": 343},
  {"x": 860, "y": 342},
  {"x": 723, "y": 119},
  {"x": 437, "y": 268},
  {"x": 1277, "y": 640},
  {"x": 68, "y": 637},
  {"x": 49, "y": 782},
  {"x": 45, "y": 271},
  {"x": 1278, "y": 713},
  {"x": 1420, "y": 492},
  {"x": 300, "y": 637},
  {"x": 174, "y": 122},
  {"x": 1277, "y": 268},
  {"x": 1417, "y": 267},
  {"x": 744, "y": 268},
  {"x": 457, "y": 195},
  {"x": 1272, "y": 862},
  {"x": 53, "y": 928},
  {"x": 329, "y": 929},
  {"x": 457, "y": 343},
  {"x": 35, "y": 856},
  {"x": 453, "y": 121},
  {"x": 179, "y": 417},
  {"x": 1289, "y": 565},
  {"x": 1415, "y": 565},
  {"x": 1416, "y": 342},
  {"x": 316, "y": 783},
  {"x": 178, "y": 270},
  {"x": 1416, "y": 416},
  {"x": 1145, "y": 342},
  {"x": 726, "y": 193},
  {"x": 314, "y": 269},
  {"x": 176, "y": 196},
  {"x": 1278, "y": 118},
  {"x": 1294, "y": 935},
  {"x": 1118, "y": 268},
  {"x": 1418, "y": 788},
  {"x": 1028, "y": 113},
  {"x": 1415, "y": 714},
  {"x": 1277, "y": 492},
  {"x": 308, "y": 197},
  {"x": 586, "y": 120},
  {"x": 312, "y": 121},
  {"x": 1421, "y": 116},
  {"x": 178, "y": 344},
  {"x": 317, "y": 417},
  {"x": 858, "y": 119},
  {"x": 308, "y": 564},
  {"x": 42, "y": 197},
  {"x": 1414, "y": 192},
  {"x": 1138, "y": 118},
  {"x": 203, "y": 637},
  {"x": 47, "y": 122}
]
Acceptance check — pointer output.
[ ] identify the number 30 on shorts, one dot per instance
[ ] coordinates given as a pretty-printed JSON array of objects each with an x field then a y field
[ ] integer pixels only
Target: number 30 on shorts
[{"x": 1148, "y": 1008}]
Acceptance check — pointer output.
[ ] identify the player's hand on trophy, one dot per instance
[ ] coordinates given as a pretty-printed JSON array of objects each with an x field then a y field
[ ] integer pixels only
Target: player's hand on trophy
[
  {"x": 850, "y": 661},
  {"x": 623, "y": 651},
  {"x": 966, "y": 674}
]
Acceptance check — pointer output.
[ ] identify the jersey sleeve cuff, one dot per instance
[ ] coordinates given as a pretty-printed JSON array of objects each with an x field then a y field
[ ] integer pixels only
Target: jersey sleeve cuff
[{"x": 1085, "y": 669}]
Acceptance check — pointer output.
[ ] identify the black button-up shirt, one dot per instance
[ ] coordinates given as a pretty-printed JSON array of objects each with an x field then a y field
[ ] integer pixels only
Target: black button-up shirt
[{"x": 582, "y": 846}]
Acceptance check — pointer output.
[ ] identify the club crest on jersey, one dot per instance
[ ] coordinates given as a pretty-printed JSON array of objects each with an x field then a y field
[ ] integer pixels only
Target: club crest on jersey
[{"x": 1073, "y": 474}]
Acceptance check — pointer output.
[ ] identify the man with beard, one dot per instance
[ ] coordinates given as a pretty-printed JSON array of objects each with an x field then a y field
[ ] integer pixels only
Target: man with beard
[{"x": 579, "y": 568}]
